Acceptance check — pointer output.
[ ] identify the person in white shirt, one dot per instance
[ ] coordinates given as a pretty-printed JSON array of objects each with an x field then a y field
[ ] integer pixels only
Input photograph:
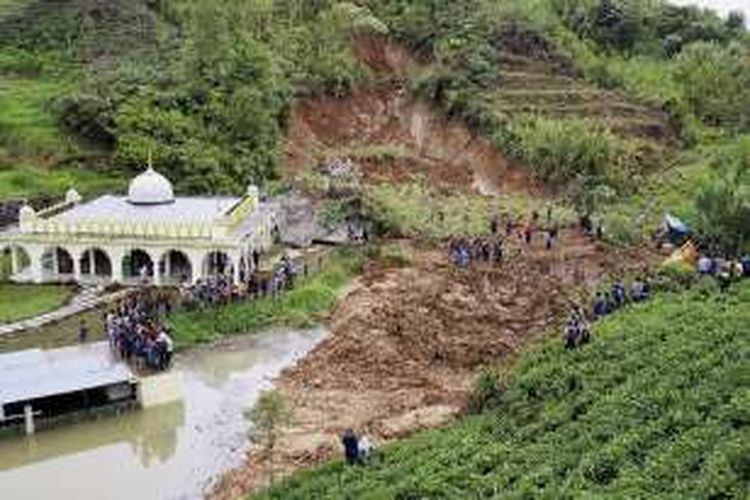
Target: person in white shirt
[{"x": 365, "y": 448}]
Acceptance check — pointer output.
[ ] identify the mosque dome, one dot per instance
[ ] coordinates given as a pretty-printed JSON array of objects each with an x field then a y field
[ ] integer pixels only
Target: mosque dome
[{"x": 150, "y": 188}]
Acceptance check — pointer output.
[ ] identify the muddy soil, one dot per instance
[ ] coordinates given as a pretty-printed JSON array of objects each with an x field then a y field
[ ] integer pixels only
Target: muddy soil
[
  {"x": 406, "y": 343},
  {"x": 382, "y": 116}
]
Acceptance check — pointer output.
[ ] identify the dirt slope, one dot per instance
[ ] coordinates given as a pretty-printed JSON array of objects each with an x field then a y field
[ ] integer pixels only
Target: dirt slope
[
  {"x": 406, "y": 342},
  {"x": 394, "y": 136},
  {"x": 405, "y": 345}
]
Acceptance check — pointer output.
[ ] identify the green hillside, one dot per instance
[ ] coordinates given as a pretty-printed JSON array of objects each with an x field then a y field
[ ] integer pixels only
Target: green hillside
[
  {"x": 657, "y": 406},
  {"x": 202, "y": 86},
  {"x": 586, "y": 93}
]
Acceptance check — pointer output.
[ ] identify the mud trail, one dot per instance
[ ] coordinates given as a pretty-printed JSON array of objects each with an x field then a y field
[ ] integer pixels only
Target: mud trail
[{"x": 405, "y": 345}]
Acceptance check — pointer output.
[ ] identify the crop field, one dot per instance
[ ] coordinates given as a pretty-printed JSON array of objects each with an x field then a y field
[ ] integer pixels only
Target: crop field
[{"x": 657, "y": 405}]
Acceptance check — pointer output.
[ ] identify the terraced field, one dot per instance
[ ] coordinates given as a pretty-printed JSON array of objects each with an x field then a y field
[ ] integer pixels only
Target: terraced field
[{"x": 531, "y": 86}]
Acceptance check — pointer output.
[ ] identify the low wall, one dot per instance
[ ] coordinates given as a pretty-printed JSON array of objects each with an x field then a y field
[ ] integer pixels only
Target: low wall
[{"x": 160, "y": 389}]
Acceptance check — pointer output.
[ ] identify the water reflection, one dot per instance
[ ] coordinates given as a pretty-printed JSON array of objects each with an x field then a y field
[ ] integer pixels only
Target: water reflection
[
  {"x": 170, "y": 451},
  {"x": 151, "y": 434}
]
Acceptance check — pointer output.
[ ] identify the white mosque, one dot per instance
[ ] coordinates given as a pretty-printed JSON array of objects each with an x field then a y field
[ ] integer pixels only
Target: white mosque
[{"x": 150, "y": 235}]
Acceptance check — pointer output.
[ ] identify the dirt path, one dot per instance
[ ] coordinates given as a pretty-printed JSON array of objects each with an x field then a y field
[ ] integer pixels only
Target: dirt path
[{"x": 405, "y": 345}]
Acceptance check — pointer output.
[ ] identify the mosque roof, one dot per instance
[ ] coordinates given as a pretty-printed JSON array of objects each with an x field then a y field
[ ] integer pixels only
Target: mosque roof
[
  {"x": 180, "y": 210},
  {"x": 150, "y": 188}
]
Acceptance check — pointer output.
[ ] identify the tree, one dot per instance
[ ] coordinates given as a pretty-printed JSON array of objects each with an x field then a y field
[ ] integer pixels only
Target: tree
[
  {"x": 716, "y": 80},
  {"x": 723, "y": 204},
  {"x": 268, "y": 416}
]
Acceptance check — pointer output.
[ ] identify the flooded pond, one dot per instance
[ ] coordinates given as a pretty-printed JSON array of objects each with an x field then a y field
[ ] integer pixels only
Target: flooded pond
[{"x": 174, "y": 451}]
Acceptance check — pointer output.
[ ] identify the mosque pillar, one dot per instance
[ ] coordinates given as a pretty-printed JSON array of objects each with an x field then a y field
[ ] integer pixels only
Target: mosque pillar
[
  {"x": 14, "y": 264},
  {"x": 76, "y": 269},
  {"x": 92, "y": 263},
  {"x": 236, "y": 269},
  {"x": 35, "y": 263},
  {"x": 168, "y": 265},
  {"x": 196, "y": 258},
  {"x": 55, "y": 263},
  {"x": 116, "y": 256}
]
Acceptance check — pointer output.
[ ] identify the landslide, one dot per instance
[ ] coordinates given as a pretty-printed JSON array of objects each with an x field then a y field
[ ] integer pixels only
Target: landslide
[
  {"x": 394, "y": 136},
  {"x": 406, "y": 342}
]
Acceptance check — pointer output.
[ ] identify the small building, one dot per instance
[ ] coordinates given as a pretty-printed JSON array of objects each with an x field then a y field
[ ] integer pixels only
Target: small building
[
  {"x": 45, "y": 386},
  {"x": 148, "y": 236}
]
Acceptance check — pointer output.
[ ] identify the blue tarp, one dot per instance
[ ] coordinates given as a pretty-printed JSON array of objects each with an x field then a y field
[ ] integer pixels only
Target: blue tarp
[{"x": 675, "y": 225}]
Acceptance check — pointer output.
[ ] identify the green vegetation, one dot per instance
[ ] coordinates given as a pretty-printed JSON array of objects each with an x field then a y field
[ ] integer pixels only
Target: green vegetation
[
  {"x": 22, "y": 182},
  {"x": 58, "y": 334},
  {"x": 24, "y": 301},
  {"x": 269, "y": 414},
  {"x": 416, "y": 210},
  {"x": 204, "y": 86},
  {"x": 706, "y": 187},
  {"x": 723, "y": 203},
  {"x": 657, "y": 405},
  {"x": 561, "y": 151},
  {"x": 302, "y": 306}
]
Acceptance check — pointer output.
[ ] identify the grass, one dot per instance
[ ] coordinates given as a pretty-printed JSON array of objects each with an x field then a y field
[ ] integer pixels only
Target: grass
[
  {"x": 31, "y": 141},
  {"x": 25, "y": 301},
  {"x": 300, "y": 307},
  {"x": 58, "y": 334},
  {"x": 657, "y": 406},
  {"x": 416, "y": 210},
  {"x": 26, "y": 122},
  {"x": 23, "y": 182}
]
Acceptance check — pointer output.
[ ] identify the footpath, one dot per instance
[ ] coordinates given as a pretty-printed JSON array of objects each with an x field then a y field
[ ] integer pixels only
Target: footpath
[{"x": 88, "y": 298}]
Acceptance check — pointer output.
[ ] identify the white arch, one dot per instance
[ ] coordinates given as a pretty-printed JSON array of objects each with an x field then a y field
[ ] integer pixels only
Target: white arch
[
  {"x": 19, "y": 262},
  {"x": 58, "y": 264},
  {"x": 138, "y": 266},
  {"x": 95, "y": 264},
  {"x": 175, "y": 266}
]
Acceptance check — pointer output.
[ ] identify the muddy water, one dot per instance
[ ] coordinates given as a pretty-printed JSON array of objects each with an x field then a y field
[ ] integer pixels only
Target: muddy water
[{"x": 172, "y": 451}]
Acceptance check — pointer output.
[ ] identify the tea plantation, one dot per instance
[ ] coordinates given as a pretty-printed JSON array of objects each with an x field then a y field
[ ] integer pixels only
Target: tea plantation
[{"x": 657, "y": 406}]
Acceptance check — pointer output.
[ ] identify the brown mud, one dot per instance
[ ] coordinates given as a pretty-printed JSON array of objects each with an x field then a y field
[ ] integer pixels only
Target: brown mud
[
  {"x": 393, "y": 136},
  {"x": 406, "y": 343}
]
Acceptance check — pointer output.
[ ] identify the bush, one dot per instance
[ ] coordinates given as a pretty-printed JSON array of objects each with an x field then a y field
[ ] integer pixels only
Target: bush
[
  {"x": 716, "y": 82},
  {"x": 561, "y": 150},
  {"x": 488, "y": 389},
  {"x": 723, "y": 203}
]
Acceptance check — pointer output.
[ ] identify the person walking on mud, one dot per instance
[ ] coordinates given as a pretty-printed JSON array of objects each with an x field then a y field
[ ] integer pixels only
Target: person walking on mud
[{"x": 351, "y": 447}]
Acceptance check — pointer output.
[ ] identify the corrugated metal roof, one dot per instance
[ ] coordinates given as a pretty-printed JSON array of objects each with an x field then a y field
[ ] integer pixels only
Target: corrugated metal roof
[{"x": 35, "y": 373}]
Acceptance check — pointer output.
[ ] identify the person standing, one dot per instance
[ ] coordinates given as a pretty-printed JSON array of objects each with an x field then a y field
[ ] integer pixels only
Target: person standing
[
  {"x": 83, "y": 332},
  {"x": 351, "y": 446}
]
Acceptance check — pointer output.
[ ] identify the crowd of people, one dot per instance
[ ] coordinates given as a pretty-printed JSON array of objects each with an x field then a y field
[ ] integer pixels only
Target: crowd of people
[
  {"x": 576, "y": 330},
  {"x": 464, "y": 251},
  {"x": 220, "y": 290},
  {"x": 725, "y": 270},
  {"x": 136, "y": 330}
]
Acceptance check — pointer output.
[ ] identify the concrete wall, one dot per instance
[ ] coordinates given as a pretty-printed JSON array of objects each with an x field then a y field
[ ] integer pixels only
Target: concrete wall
[{"x": 160, "y": 389}]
